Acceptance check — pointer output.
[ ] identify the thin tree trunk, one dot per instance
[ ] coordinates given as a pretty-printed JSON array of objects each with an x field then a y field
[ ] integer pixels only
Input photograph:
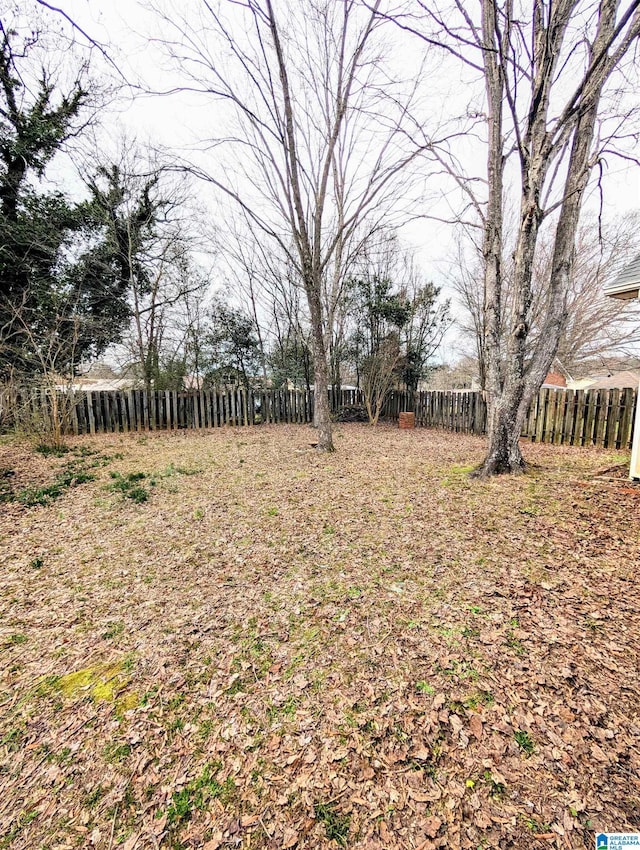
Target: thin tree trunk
[{"x": 321, "y": 412}]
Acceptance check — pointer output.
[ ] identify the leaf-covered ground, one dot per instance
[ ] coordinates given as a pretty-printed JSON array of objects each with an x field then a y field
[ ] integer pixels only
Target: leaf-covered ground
[{"x": 227, "y": 640}]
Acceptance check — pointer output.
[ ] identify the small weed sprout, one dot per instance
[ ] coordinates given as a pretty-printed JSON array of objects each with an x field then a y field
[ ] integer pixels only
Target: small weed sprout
[
  {"x": 496, "y": 789},
  {"x": 524, "y": 741}
]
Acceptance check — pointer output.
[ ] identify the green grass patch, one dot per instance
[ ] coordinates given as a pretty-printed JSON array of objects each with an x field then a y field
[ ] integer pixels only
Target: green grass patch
[
  {"x": 23, "y": 820},
  {"x": 13, "y": 739},
  {"x": 101, "y": 683},
  {"x": 515, "y": 644},
  {"x": 336, "y": 825},
  {"x": 115, "y": 753},
  {"x": 6, "y": 490},
  {"x": 129, "y": 486},
  {"x": 457, "y": 474},
  {"x": 286, "y": 710},
  {"x": 48, "y": 450},
  {"x": 73, "y": 474},
  {"x": 198, "y": 793},
  {"x": 113, "y": 630}
]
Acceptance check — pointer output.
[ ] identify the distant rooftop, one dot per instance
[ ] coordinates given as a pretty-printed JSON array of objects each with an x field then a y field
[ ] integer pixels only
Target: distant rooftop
[
  {"x": 627, "y": 284},
  {"x": 621, "y": 380}
]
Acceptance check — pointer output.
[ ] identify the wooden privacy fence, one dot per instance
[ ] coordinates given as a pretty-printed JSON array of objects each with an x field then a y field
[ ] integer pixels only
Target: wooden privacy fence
[
  {"x": 137, "y": 410},
  {"x": 566, "y": 417},
  {"x": 463, "y": 412},
  {"x": 583, "y": 417}
]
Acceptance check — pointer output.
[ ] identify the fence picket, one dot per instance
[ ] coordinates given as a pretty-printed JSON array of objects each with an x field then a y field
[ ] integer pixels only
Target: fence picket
[
  {"x": 600, "y": 417},
  {"x": 626, "y": 421},
  {"x": 561, "y": 401},
  {"x": 611, "y": 419}
]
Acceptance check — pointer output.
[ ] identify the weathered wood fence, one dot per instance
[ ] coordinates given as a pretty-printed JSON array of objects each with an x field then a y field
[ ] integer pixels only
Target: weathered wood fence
[
  {"x": 565, "y": 417},
  {"x": 138, "y": 410},
  {"x": 568, "y": 417}
]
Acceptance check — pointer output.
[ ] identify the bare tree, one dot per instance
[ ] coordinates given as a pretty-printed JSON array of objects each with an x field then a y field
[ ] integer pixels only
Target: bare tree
[
  {"x": 142, "y": 209},
  {"x": 48, "y": 400},
  {"x": 319, "y": 142},
  {"x": 595, "y": 326},
  {"x": 547, "y": 71},
  {"x": 397, "y": 321},
  {"x": 379, "y": 370},
  {"x": 248, "y": 275}
]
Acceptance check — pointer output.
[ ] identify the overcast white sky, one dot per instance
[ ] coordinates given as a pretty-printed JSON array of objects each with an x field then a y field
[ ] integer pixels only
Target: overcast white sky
[{"x": 129, "y": 32}]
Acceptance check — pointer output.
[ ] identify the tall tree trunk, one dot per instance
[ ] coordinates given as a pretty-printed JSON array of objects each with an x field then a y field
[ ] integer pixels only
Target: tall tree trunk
[
  {"x": 503, "y": 451},
  {"x": 321, "y": 412},
  {"x": 497, "y": 417}
]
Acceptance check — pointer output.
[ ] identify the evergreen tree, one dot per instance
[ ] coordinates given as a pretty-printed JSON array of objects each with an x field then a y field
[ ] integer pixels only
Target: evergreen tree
[{"x": 57, "y": 305}]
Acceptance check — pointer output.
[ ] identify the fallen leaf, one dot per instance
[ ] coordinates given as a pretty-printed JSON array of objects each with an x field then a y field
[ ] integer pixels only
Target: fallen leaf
[
  {"x": 385, "y": 834},
  {"x": 338, "y": 754},
  {"x": 475, "y": 726},
  {"x": 438, "y": 701},
  {"x": 482, "y": 820},
  {"x": 421, "y": 754},
  {"x": 421, "y": 796},
  {"x": 290, "y": 838},
  {"x": 432, "y": 826}
]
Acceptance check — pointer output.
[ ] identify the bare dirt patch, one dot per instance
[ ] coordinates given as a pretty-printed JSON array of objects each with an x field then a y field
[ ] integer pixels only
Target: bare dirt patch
[{"x": 275, "y": 649}]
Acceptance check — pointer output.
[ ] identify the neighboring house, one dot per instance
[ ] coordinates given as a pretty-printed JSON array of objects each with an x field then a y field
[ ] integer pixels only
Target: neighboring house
[
  {"x": 95, "y": 385},
  {"x": 618, "y": 381},
  {"x": 555, "y": 380},
  {"x": 626, "y": 287},
  {"x": 557, "y": 377},
  {"x": 581, "y": 383},
  {"x": 193, "y": 382}
]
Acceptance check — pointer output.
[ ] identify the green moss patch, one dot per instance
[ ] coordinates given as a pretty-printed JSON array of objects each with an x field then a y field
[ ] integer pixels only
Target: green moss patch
[{"x": 101, "y": 683}]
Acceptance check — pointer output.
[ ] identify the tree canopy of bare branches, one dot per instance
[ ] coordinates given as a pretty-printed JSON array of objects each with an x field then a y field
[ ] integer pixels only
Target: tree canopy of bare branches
[
  {"x": 595, "y": 326},
  {"x": 319, "y": 138}
]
